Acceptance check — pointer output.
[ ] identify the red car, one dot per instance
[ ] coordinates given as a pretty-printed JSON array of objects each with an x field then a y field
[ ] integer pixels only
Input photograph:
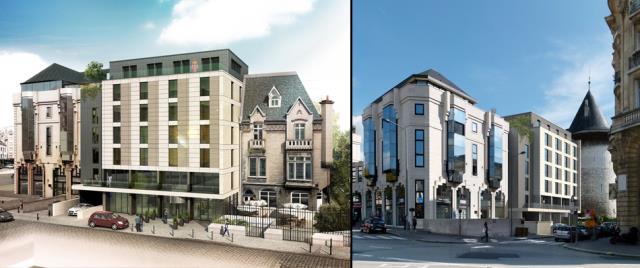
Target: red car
[{"x": 108, "y": 219}]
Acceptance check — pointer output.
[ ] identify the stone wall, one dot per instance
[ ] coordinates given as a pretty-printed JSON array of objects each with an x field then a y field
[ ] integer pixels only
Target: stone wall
[
  {"x": 625, "y": 154},
  {"x": 597, "y": 174}
]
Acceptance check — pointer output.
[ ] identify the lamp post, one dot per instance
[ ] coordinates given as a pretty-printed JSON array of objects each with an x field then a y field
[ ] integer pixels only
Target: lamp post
[
  {"x": 573, "y": 202},
  {"x": 406, "y": 167}
]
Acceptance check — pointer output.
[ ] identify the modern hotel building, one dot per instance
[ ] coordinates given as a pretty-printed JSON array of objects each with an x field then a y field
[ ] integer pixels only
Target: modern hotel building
[
  {"x": 544, "y": 174},
  {"x": 169, "y": 135},
  {"x": 47, "y": 130},
  {"x": 426, "y": 142}
]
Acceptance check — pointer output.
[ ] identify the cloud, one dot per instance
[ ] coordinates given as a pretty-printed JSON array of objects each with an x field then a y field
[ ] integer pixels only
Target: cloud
[
  {"x": 15, "y": 67},
  {"x": 211, "y": 22},
  {"x": 149, "y": 25},
  {"x": 565, "y": 92}
]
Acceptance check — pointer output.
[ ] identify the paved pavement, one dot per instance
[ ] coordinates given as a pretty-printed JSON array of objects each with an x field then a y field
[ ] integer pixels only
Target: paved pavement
[
  {"x": 158, "y": 229},
  {"x": 602, "y": 246},
  {"x": 417, "y": 251},
  {"x": 28, "y": 243}
]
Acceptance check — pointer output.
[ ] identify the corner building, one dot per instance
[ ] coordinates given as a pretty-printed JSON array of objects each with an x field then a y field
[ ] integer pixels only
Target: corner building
[
  {"x": 170, "y": 135},
  {"x": 426, "y": 142}
]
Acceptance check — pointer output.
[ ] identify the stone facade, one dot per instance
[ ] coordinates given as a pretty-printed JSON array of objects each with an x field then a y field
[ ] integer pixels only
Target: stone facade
[
  {"x": 625, "y": 153},
  {"x": 596, "y": 175}
]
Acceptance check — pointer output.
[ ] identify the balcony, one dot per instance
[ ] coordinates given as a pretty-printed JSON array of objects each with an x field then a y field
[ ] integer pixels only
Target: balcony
[
  {"x": 634, "y": 6},
  {"x": 550, "y": 206},
  {"x": 121, "y": 74},
  {"x": 299, "y": 144},
  {"x": 625, "y": 120},
  {"x": 634, "y": 60},
  {"x": 298, "y": 184},
  {"x": 616, "y": 78},
  {"x": 256, "y": 145},
  {"x": 255, "y": 180}
]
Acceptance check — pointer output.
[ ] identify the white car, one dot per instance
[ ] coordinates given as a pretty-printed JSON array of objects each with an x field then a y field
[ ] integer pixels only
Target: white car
[{"x": 73, "y": 211}]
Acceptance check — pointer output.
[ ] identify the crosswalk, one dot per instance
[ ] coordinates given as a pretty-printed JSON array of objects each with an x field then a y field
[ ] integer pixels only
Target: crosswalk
[{"x": 377, "y": 237}]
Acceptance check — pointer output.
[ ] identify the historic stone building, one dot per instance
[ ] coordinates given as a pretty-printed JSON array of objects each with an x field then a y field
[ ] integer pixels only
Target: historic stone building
[
  {"x": 596, "y": 169},
  {"x": 624, "y": 139}
]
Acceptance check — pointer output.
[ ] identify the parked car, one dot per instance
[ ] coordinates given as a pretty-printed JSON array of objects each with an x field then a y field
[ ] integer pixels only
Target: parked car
[
  {"x": 373, "y": 225},
  {"x": 108, "y": 219},
  {"x": 73, "y": 211},
  {"x": 583, "y": 232},
  {"x": 9, "y": 166},
  {"x": 568, "y": 233},
  {"x": 555, "y": 227},
  {"x": 5, "y": 215},
  {"x": 606, "y": 229}
]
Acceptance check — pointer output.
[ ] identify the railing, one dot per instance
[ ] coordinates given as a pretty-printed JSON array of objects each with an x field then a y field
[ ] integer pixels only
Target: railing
[
  {"x": 256, "y": 179},
  {"x": 146, "y": 185},
  {"x": 626, "y": 119},
  {"x": 256, "y": 144},
  {"x": 174, "y": 187},
  {"x": 616, "y": 78},
  {"x": 550, "y": 206},
  {"x": 208, "y": 189},
  {"x": 144, "y": 72},
  {"x": 634, "y": 5},
  {"x": 634, "y": 60},
  {"x": 299, "y": 144}
]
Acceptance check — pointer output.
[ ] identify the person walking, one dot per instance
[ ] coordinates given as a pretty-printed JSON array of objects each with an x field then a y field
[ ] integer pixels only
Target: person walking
[
  {"x": 226, "y": 227},
  {"x": 414, "y": 222},
  {"x": 165, "y": 215},
  {"x": 486, "y": 232},
  {"x": 137, "y": 220},
  {"x": 21, "y": 205}
]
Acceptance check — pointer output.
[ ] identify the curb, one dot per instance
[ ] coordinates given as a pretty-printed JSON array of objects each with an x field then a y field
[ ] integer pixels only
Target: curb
[{"x": 608, "y": 253}]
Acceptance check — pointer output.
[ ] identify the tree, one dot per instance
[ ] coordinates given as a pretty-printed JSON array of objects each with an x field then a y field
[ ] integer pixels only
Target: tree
[
  {"x": 341, "y": 169},
  {"x": 332, "y": 217},
  {"x": 94, "y": 72}
]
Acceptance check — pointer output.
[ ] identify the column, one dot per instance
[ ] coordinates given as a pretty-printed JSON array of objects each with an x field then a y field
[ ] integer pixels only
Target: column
[
  {"x": 493, "y": 205},
  {"x": 394, "y": 213},
  {"x": 68, "y": 181},
  {"x": 29, "y": 179}
]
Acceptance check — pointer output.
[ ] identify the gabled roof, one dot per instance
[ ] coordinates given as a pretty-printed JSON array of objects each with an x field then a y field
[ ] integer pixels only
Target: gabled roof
[
  {"x": 303, "y": 105},
  {"x": 57, "y": 72},
  {"x": 589, "y": 118},
  {"x": 432, "y": 75},
  {"x": 258, "y": 86}
]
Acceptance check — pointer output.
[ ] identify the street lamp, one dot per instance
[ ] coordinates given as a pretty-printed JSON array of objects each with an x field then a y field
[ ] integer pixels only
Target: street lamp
[
  {"x": 406, "y": 168},
  {"x": 573, "y": 202}
]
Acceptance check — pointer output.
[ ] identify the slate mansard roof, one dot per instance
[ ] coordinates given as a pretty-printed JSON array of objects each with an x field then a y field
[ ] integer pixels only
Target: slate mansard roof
[
  {"x": 589, "y": 118},
  {"x": 57, "y": 72},
  {"x": 258, "y": 86}
]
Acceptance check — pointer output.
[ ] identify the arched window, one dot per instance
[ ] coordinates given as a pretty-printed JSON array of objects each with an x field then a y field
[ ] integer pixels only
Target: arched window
[
  {"x": 269, "y": 196},
  {"x": 500, "y": 208},
  {"x": 248, "y": 195},
  {"x": 485, "y": 204},
  {"x": 464, "y": 203}
]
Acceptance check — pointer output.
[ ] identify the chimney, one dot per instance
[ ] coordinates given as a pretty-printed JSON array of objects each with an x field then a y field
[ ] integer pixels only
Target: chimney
[{"x": 326, "y": 110}]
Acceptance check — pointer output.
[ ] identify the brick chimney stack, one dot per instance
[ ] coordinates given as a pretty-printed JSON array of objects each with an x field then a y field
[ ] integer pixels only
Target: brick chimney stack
[{"x": 326, "y": 109}]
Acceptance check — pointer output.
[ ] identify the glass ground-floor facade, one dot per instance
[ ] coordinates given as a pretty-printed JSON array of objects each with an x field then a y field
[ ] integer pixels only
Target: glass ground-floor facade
[{"x": 193, "y": 208}]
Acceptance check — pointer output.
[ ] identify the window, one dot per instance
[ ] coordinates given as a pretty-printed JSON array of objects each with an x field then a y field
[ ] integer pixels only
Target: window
[
  {"x": 558, "y": 144},
  {"x": 185, "y": 66},
  {"x": 389, "y": 142},
  {"x": 269, "y": 196},
  {"x": 173, "y": 157},
  {"x": 176, "y": 67},
  {"x": 575, "y": 164},
  {"x": 48, "y": 112},
  {"x": 173, "y": 111},
  {"x": 567, "y": 163},
  {"x": 257, "y": 131},
  {"x": 274, "y": 98},
  {"x": 144, "y": 156},
  {"x": 116, "y": 92},
  {"x": 204, "y": 134},
  {"x": 232, "y": 89},
  {"x": 526, "y": 151},
  {"x": 558, "y": 174},
  {"x": 537, "y": 123},
  {"x": 210, "y": 64},
  {"x": 419, "y": 109},
  {"x": 48, "y": 141},
  {"x": 204, "y": 86},
  {"x": 419, "y": 197},
  {"x": 474, "y": 127},
  {"x": 144, "y": 113},
  {"x": 144, "y": 90},
  {"x": 547, "y": 139},
  {"x": 575, "y": 177},
  {"x": 116, "y": 156},
  {"x": 173, "y": 88},
  {"x": 369, "y": 148},
  {"x": 547, "y": 155},
  {"x": 95, "y": 135},
  {"x": 300, "y": 198},
  {"x": 547, "y": 185},
  {"x": 566, "y": 148},
  {"x": 456, "y": 145},
  {"x": 144, "y": 134},
  {"x": 419, "y": 143},
  {"x": 299, "y": 131},
  {"x": 233, "y": 131},
  {"x": 116, "y": 135},
  {"x": 474, "y": 156},
  {"x": 116, "y": 113},
  {"x": 547, "y": 171},
  {"x": 231, "y": 112},
  {"x": 558, "y": 159},
  {"x": 299, "y": 167},
  {"x": 557, "y": 188},
  {"x": 204, "y": 157},
  {"x": 566, "y": 175},
  {"x": 236, "y": 67},
  {"x": 257, "y": 166},
  {"x": 204, "y": 110},
  {"x": 173, "y": 134},
  {"x": 95, "y": 118}
]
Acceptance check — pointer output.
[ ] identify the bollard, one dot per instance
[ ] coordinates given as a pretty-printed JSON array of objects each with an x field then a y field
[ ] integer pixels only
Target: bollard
[
  {"x": 132, "y": 228},
  {"x": 193, "y": 235},
  {"x": 231, "y": 238},
  {"x": 211, "y": 235},
  {"x": 171, "y": 233},
  {"x": 37, "y": 216},
  {"x": 330, "y": 246}
]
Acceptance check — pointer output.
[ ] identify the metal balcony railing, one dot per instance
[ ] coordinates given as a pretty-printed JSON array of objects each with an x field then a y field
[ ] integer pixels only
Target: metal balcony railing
[
  {"x": 550, "y": 206},
  {"x": 256, "y": 144},
  {"x": 182, "y": 69},
  {"x": 625, "y": 120},
  {"x": 299, "y": 144},
  {"x": 634, "y": 5}
]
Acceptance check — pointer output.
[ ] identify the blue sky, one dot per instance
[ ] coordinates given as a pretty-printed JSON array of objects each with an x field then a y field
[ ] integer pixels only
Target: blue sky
[
  {"x": 515, "y": 56},
  {"x": 307, "y": 36}
]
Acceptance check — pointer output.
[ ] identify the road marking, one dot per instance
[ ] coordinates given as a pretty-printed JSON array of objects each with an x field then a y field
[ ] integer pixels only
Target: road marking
[
  {"x": 363, "y": 255},
  {"x": 383, "y": 237},
  {"x": 487, "y": 246},
  {"x": 379, "y": 247}
]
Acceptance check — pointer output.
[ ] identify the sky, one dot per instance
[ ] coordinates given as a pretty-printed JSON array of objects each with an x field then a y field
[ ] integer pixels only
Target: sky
[
  {"x": 311, "y": 37},
  {"x": 515, "y": 56}
]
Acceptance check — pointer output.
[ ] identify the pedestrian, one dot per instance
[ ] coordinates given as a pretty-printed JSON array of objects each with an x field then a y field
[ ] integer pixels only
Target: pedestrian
[
  {"x": 226, "y": 227},
  {"x": 486, "y": 232},
  {"x": 165, "y": 216},
  {"x": 137, "y": 223},
  {"x": 414, "y": 222},
  {"x": 21, "y": 206}
]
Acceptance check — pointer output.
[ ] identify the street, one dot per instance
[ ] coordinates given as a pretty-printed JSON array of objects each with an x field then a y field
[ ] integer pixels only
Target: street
[
  {"x": 388, "y": 250},
  {"x": 24, "y": 243}
]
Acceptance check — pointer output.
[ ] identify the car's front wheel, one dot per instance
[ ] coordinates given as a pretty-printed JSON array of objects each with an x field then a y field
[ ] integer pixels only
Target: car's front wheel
[
  {"x": 114, "y": 227},
  {"x": 556, "y": 239},
  {"x": 92, "y": 224}
]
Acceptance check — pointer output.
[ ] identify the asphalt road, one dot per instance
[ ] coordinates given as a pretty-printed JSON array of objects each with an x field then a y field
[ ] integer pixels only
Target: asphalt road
[
  {"x": 25, "y": 243},
  {"x": 377, "y": 250}
]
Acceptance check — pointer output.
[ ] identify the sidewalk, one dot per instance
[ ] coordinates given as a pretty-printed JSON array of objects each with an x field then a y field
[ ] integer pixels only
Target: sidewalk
[
  {"x": 157, "y": 228},
  {"x": 424, "y": 236},
  {"x": 602, "y": 246}
]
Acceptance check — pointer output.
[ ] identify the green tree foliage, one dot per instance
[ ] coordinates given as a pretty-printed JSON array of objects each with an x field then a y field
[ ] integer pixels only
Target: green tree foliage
[
  {"x": 94, "y": 72},
  {"x": 341, "y": 170},
  {"x": 332, "y": 217}
]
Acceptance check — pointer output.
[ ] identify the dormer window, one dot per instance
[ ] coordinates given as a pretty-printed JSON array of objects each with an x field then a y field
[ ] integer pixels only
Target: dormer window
[{"x": 274, "y": 98}]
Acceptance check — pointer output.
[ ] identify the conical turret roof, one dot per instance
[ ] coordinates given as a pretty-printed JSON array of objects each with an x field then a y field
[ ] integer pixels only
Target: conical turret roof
[{"x": 589, "y": 118}]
